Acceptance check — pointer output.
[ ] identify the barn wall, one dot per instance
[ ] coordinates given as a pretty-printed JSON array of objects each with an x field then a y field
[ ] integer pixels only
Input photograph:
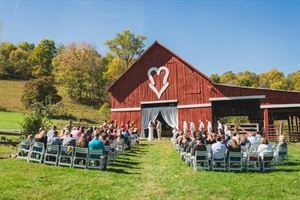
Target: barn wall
[
  {"x": 194, "y": 115},
  {"x": 126, "y": 116}
]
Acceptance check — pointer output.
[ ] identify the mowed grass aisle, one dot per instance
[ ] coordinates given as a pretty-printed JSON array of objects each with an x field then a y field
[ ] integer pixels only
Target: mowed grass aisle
[{"x": 149, "y": 171}]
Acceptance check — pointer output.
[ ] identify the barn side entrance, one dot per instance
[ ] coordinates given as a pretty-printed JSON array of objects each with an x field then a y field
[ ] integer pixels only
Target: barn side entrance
[
  {"x": 165, "y": 112},
  {"x": 247, "y": 110}
]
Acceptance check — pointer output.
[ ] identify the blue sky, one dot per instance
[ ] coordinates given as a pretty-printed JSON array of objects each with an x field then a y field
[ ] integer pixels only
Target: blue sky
[{"x": 214, "y": 36}]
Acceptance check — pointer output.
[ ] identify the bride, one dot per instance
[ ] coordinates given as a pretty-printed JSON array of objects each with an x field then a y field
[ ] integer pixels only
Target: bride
[{"x": 150, "y": 128}]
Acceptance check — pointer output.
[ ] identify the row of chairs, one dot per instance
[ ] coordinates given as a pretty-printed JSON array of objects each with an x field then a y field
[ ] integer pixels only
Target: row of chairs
[
  {"x": 70, "y": 156},
  {"x": 248, "y": 159}
]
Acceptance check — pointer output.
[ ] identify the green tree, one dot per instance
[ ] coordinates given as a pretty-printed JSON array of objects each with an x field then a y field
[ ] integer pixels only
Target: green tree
[
  {"x": 246, "y": 78},
  {"x": 41, "y": 58},
  {"x": 40, "y": 90},
  {"x": 228, "y": 78},
  {"x": 6, "y": 66},
  {"x": 273, "y": 79},
  {"x": 293, "y": 80},
  {"x": 105, "y": 112},
  {"x": 20, "y": 64},
  {"x": 125, "y": 48},
  {"x": 80, "y": 70},
  {"x": 215, "y": 78}
]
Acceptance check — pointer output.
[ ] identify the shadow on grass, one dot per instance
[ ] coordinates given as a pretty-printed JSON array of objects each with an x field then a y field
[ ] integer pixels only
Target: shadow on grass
[
  {"x": 293, "y": 164},
  {"x": 120, "y": 171}
]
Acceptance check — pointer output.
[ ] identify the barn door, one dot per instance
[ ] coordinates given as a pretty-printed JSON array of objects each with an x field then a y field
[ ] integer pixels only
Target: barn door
[{"x": 150, "y": 113}]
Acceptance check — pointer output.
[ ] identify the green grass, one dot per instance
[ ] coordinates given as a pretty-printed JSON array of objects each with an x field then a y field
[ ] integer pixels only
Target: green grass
[
  {"x": 149, "y": 171},
  {"x": 10, "y": 99}
]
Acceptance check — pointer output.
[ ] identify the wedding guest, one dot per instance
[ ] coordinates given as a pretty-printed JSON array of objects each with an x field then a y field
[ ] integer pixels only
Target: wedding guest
[
  {"x": 201, "y": 126},
  {"x": 236, "y": 136},
  {"x": 41, "y": 137},
  {"x": 54, "y": 140},
  {"x": 209, "y": 126},
  {"x": 199, "y": 146},
  {"x": 68, "y": 140},
  {"x": 218, "y": 146},
  {"x": 50, "y": 133},
  {"x": 96, "y": 143},
  {"x": 252, "y": 138},
  {"x": 185, "y": 127},
  {"x": 83, "y": 141},
  {"x": 281, "y": 144},
  {"x": 233, "y": 146},
  {"x": 264, "y": 147},
  {"x": 192, "y": 129}
]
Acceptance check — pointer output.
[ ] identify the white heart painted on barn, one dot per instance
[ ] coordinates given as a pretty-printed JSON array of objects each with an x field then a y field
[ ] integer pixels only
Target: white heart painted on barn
[{"x": 152, "y": 81}]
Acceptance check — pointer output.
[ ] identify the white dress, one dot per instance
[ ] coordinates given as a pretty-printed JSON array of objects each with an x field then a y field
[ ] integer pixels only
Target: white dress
[{"x": 150, "y": 135}]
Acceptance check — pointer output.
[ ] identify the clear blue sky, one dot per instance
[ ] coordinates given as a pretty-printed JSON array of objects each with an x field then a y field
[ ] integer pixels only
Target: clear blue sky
[{"x": 214, "y": 36}]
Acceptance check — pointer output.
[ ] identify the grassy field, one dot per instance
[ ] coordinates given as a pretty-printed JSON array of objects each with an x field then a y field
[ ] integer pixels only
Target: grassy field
[
  {"x": 149, "y": 171},
  {"x": 12, "y": 91}
]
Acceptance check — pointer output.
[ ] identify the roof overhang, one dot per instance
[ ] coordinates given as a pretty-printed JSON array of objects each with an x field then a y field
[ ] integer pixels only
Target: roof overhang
[
  {"x": 291, "y": 105},
  {"x": 237, "y": 98}
]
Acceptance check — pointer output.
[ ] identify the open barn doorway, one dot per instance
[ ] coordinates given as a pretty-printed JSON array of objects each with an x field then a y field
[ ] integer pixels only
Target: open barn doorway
[
  {"x": 166, "y": 129},
  {"x": 165, "y": 112}
]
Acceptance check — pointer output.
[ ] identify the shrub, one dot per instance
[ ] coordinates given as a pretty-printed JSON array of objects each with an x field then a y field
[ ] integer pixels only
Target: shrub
[
  {"x": 104, "y": 112},
  {"x": 41, "y": 90}
]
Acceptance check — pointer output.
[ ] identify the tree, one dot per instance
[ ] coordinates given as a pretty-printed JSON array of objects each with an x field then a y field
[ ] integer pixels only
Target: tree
[
  {"x": 20, "y": 64},
  {"x": 228, "y": 78},
  {"x": 104, "y": 112},
  {"x": 6, "y": 67},
  {"x": 125, "y": 48},
  {"x": 273, "y": 79},
  {"x": 293, "y": 80},
  {"x": 215, "y": 78},
  {"x": 40, "y": 90},
  {"x": 80, "y": 70},
  {"x": 41, "y": 58},
  {"x": 248, "y": 79}
]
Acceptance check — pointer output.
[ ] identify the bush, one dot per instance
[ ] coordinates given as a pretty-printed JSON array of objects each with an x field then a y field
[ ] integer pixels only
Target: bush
[
  {"x": 41, "y": 90},
  {"x": 104, "y": 112}
]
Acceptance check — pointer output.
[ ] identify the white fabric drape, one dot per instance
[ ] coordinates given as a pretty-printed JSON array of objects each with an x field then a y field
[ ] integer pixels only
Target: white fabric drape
[{"x": 170, "y": 115}]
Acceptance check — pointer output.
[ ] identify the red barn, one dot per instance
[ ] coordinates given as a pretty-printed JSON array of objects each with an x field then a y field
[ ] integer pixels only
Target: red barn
[{"x": 160, "y": 84}]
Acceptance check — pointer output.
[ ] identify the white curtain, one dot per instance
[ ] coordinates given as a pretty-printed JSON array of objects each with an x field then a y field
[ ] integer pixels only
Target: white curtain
[{"x": 169, "y": 114}]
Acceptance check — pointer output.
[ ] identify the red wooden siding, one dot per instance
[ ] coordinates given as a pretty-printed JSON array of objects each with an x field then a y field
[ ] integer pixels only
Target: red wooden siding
[
  {"x": 194, "y": 115},
  {"x": 272, "y": 96}
]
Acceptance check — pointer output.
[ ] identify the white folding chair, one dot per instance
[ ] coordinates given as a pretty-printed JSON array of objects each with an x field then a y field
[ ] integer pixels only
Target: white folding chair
[
  {"x": 24, "y": 149},
  {"x": 218, "y": 161},
  {"x": 201, "y": 160},
  {"x": 267, "y": 161},
  {"x": 80, "y": 157},
  {"x": 36, "y": 153},
  {"x": 235, "y": 161},
  {"x": 281, "y": 157},
  {"x": 95, "y": 159},
  {"x": 253, "y": 163},
  {"x": 51, "y": 154},
  {"x": 66, "y": 156}
]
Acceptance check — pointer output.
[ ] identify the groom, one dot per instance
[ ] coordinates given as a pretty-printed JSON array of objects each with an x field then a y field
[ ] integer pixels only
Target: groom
[{"x": 158, "y": 129}]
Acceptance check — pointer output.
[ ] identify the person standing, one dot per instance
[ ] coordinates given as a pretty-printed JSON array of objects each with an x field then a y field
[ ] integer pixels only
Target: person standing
[
  {"x": 158, "y": 129},
  {"x": 220, "y": 126},
  {"x": 209, "y": 126},
  {"x": 192, "y": 129},
  {"x": 150, "y": 128},
  {"x": 185, "y": 127},
  {"x": 201, "y": 126}
]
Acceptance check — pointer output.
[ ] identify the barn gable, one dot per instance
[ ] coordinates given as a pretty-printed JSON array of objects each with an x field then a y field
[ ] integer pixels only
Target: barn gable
[{"x": 185, "y": 83}]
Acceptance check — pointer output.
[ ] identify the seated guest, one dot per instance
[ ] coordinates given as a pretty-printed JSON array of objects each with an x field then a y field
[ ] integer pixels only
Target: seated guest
[
  {"x": 29, "y": 138},
  {"x": 126, "y": 137},
  {"x": 252, "y": 138},
  {"x": 191, "y": 143},
  {"x": 54, "y": 140},
  {"x": 236, "y": 136},
  {"x": 233, "y": 146},
  {"x": 243, "y": 140},
  {"x": 41, "y": 137},
  {"x": 68, "y": 140},
  {"x": 199, "y": 146},
  {"x": 219, "y": 146},
  {"x": 96, "y": 143},
  {"x": 264, "y": 147},
  {"x": 258, "y": 137},
  {"x": 209, "y": 139},
  {"x": 76, "y": 133},
  {"x": 83, "y": 141},
  {"x": 282, "y": 144},
  {"x": 50, "y": 133}
]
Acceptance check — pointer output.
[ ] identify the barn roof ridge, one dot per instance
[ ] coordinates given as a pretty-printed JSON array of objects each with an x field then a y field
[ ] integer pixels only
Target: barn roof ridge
[
  {"x": 162, "y": 46},
  {"x": 258, "y": 88}
]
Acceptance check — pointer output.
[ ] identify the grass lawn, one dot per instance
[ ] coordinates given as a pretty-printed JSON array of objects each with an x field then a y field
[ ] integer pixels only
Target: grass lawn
[{"x": 149, "y": 171}]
